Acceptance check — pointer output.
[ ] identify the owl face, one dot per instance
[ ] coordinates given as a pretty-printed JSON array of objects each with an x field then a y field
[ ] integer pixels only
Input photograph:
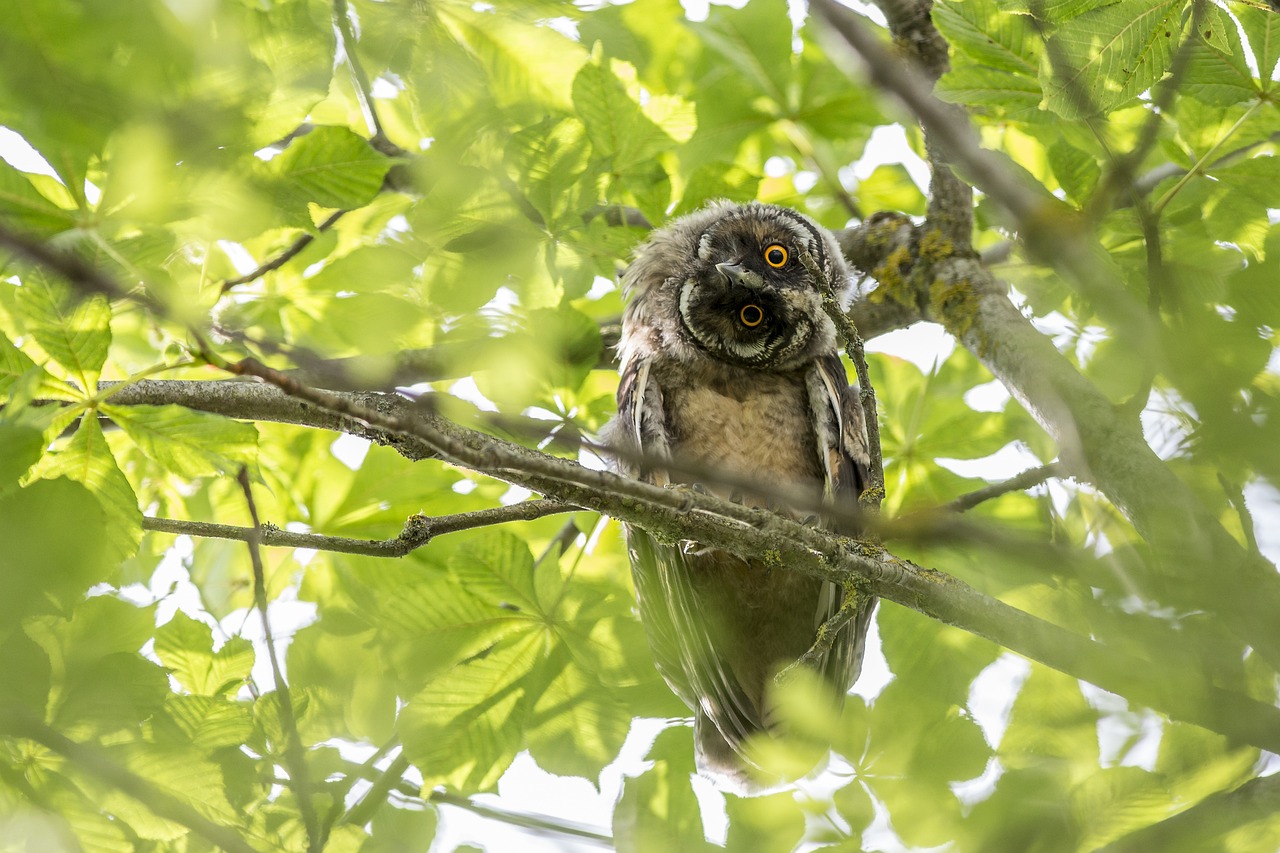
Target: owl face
[{"x": 727, "y": 283}]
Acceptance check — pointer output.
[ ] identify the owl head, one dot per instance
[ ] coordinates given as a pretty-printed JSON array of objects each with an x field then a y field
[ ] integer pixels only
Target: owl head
[{"x": 726, "y": 283}]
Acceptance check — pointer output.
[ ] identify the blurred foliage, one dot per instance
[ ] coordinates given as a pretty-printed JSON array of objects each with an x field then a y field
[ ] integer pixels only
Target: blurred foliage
[{"x": 184, "y": 144}]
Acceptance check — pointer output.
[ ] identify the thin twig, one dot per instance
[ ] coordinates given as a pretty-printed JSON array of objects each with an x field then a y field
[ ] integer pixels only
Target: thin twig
[
  {"x": 418, "y": 530},
  {"x": 294, "y": 756},
  {"x": 95, "y": 762},
  {"x": 362, "y": 811},
  {"x": 364, "y": 90},
  {"x": 1018, "y": 483},
  {"x": 871, "y": 496},
  {"x": 539, "y": 824},
  {"x": 287, "y": 255}
]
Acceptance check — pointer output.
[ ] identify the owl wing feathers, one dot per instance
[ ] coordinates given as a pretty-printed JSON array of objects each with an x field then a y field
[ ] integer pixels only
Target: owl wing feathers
[
  {"x": 671, "y": 611},
  {"x": 842, "y": 442}
]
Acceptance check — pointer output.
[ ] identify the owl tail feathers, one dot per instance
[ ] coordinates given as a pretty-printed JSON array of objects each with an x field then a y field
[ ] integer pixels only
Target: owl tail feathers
[{"x": 725, "y": 764}]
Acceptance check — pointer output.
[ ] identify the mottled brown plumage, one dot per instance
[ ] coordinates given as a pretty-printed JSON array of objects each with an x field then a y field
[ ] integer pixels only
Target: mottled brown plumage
[{"x": 728, "y": 360}]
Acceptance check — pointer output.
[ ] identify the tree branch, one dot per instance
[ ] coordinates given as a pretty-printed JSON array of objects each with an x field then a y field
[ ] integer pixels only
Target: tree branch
[
  {"x": 687, "y": 514},
  {"x": 1021, "y": 482},
  {"x": 418, "y": 530},
  {"x": 1097, "y": 443},
  {"x": 291, "y": 252}
]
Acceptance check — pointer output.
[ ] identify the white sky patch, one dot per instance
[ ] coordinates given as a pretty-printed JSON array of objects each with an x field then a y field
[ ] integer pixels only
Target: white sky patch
[
  {"x": 991, "y": 695},
  {"x": 464, "y": 487},
  {"x": 385, "y": 89},
  {"x": 18, "y": 153},
  {"x": 1013, "y": 458},
  {"x": 466, "y": 389},
  {"x": 778, "y": 167},
  {"x": 526, "y": 786},
  {"x": 238, "y": 255},
  {"x": 715, "y": 817},
  {"x": 888, "y": 145},
  {"x": 350, "y": 450},
  {"x": 600, "y": 288},
  {"x": 989, "y": 397},
  {"x": 1263, "y": 502},
  {"x": 515, "y": 495},
  {"x": 875, "y": 675},
  {"x": 287, "y": 616},
  {"x": 924, "y": 345}
]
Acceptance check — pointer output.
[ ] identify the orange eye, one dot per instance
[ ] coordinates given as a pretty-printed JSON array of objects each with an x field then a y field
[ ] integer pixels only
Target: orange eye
[
  {"x": 751, "y": 316},
  {"x": 775, "y": 256}
]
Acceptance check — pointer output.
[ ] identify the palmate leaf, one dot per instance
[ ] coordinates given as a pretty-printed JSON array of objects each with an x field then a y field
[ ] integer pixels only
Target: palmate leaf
[
  {"x": 464, "y": 729},
  {"x": 185, "y": 646},
  {"x": 992, "y": 38},
  {"x": 22, "y": 204},
  {"x": 75, "y": 332},
  {"x": 186, "y": 442},
  {"x": 87, "y": 459},
  {"x": 658, "y": 809},
  {"x": 621, "y": 134},
  {"x": 329, "y": 167},
  {"x": 1107, "y": 57}
]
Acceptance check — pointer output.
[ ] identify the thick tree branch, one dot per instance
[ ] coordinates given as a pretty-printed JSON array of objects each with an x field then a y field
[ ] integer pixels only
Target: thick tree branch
[
  {"x": 685, "y": 514},
  {"x": 1097, "y": 443}
]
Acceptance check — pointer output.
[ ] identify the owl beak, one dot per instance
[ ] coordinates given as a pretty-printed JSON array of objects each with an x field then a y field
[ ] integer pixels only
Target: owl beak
[{"x": 737, "y": 274}]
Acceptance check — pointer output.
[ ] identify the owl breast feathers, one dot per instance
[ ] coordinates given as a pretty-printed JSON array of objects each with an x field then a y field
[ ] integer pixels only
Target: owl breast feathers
[{"x": 730, "y": 363}]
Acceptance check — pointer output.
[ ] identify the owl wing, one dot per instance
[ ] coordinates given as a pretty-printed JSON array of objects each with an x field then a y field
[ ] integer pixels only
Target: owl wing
[
  {"x": 841, "y": 435},
  {"x": 673, "y": 618}
]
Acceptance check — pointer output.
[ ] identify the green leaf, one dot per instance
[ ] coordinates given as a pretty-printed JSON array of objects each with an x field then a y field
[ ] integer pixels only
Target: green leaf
[
  {"x": 992, "y": 38},
  {"x": 188, "y": 443},
  {"x": 329, "y": 167},
  {"x": 499, "y": 569},
  {"x": 55, "y": 530},
  {"x": 75, "y": 332},
  {"x": 464, "y": 729},
  {"x": 890, "y": 187},
  {"x": 549, "y": 162},
  {"x": 1262, "y": 29},
  {"x": 185, "y": 646},
  {"x": 619, "y": 131},
  {"x": 657, "y": 809},
  {"x": 22, "y": 204},
  {"x": 1107, "y": 57},
  {"x": 205, "y": 722},
  {"x": 20, "y": 447},
  {"x": 88, "y": 459}
]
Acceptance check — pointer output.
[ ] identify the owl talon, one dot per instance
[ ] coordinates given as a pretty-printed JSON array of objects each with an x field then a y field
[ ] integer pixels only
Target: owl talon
[
  {"x": 693, "y": 549},
  {"x": 736, "y": 496},
  {"x": 810, "y": 520}
]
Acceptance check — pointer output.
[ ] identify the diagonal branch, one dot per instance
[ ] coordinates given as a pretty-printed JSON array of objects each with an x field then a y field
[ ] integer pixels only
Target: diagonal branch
[
  {"x": 1019, "y": 483},
  {"x": 683, "y": 514}
]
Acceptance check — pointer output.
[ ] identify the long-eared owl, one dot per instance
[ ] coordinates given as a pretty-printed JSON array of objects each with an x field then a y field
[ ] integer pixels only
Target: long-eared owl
[{"x": 729, "y": 362}]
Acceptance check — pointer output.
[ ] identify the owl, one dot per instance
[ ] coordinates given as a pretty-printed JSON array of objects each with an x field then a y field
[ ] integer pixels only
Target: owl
[{"x": 729, "y": 361}]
